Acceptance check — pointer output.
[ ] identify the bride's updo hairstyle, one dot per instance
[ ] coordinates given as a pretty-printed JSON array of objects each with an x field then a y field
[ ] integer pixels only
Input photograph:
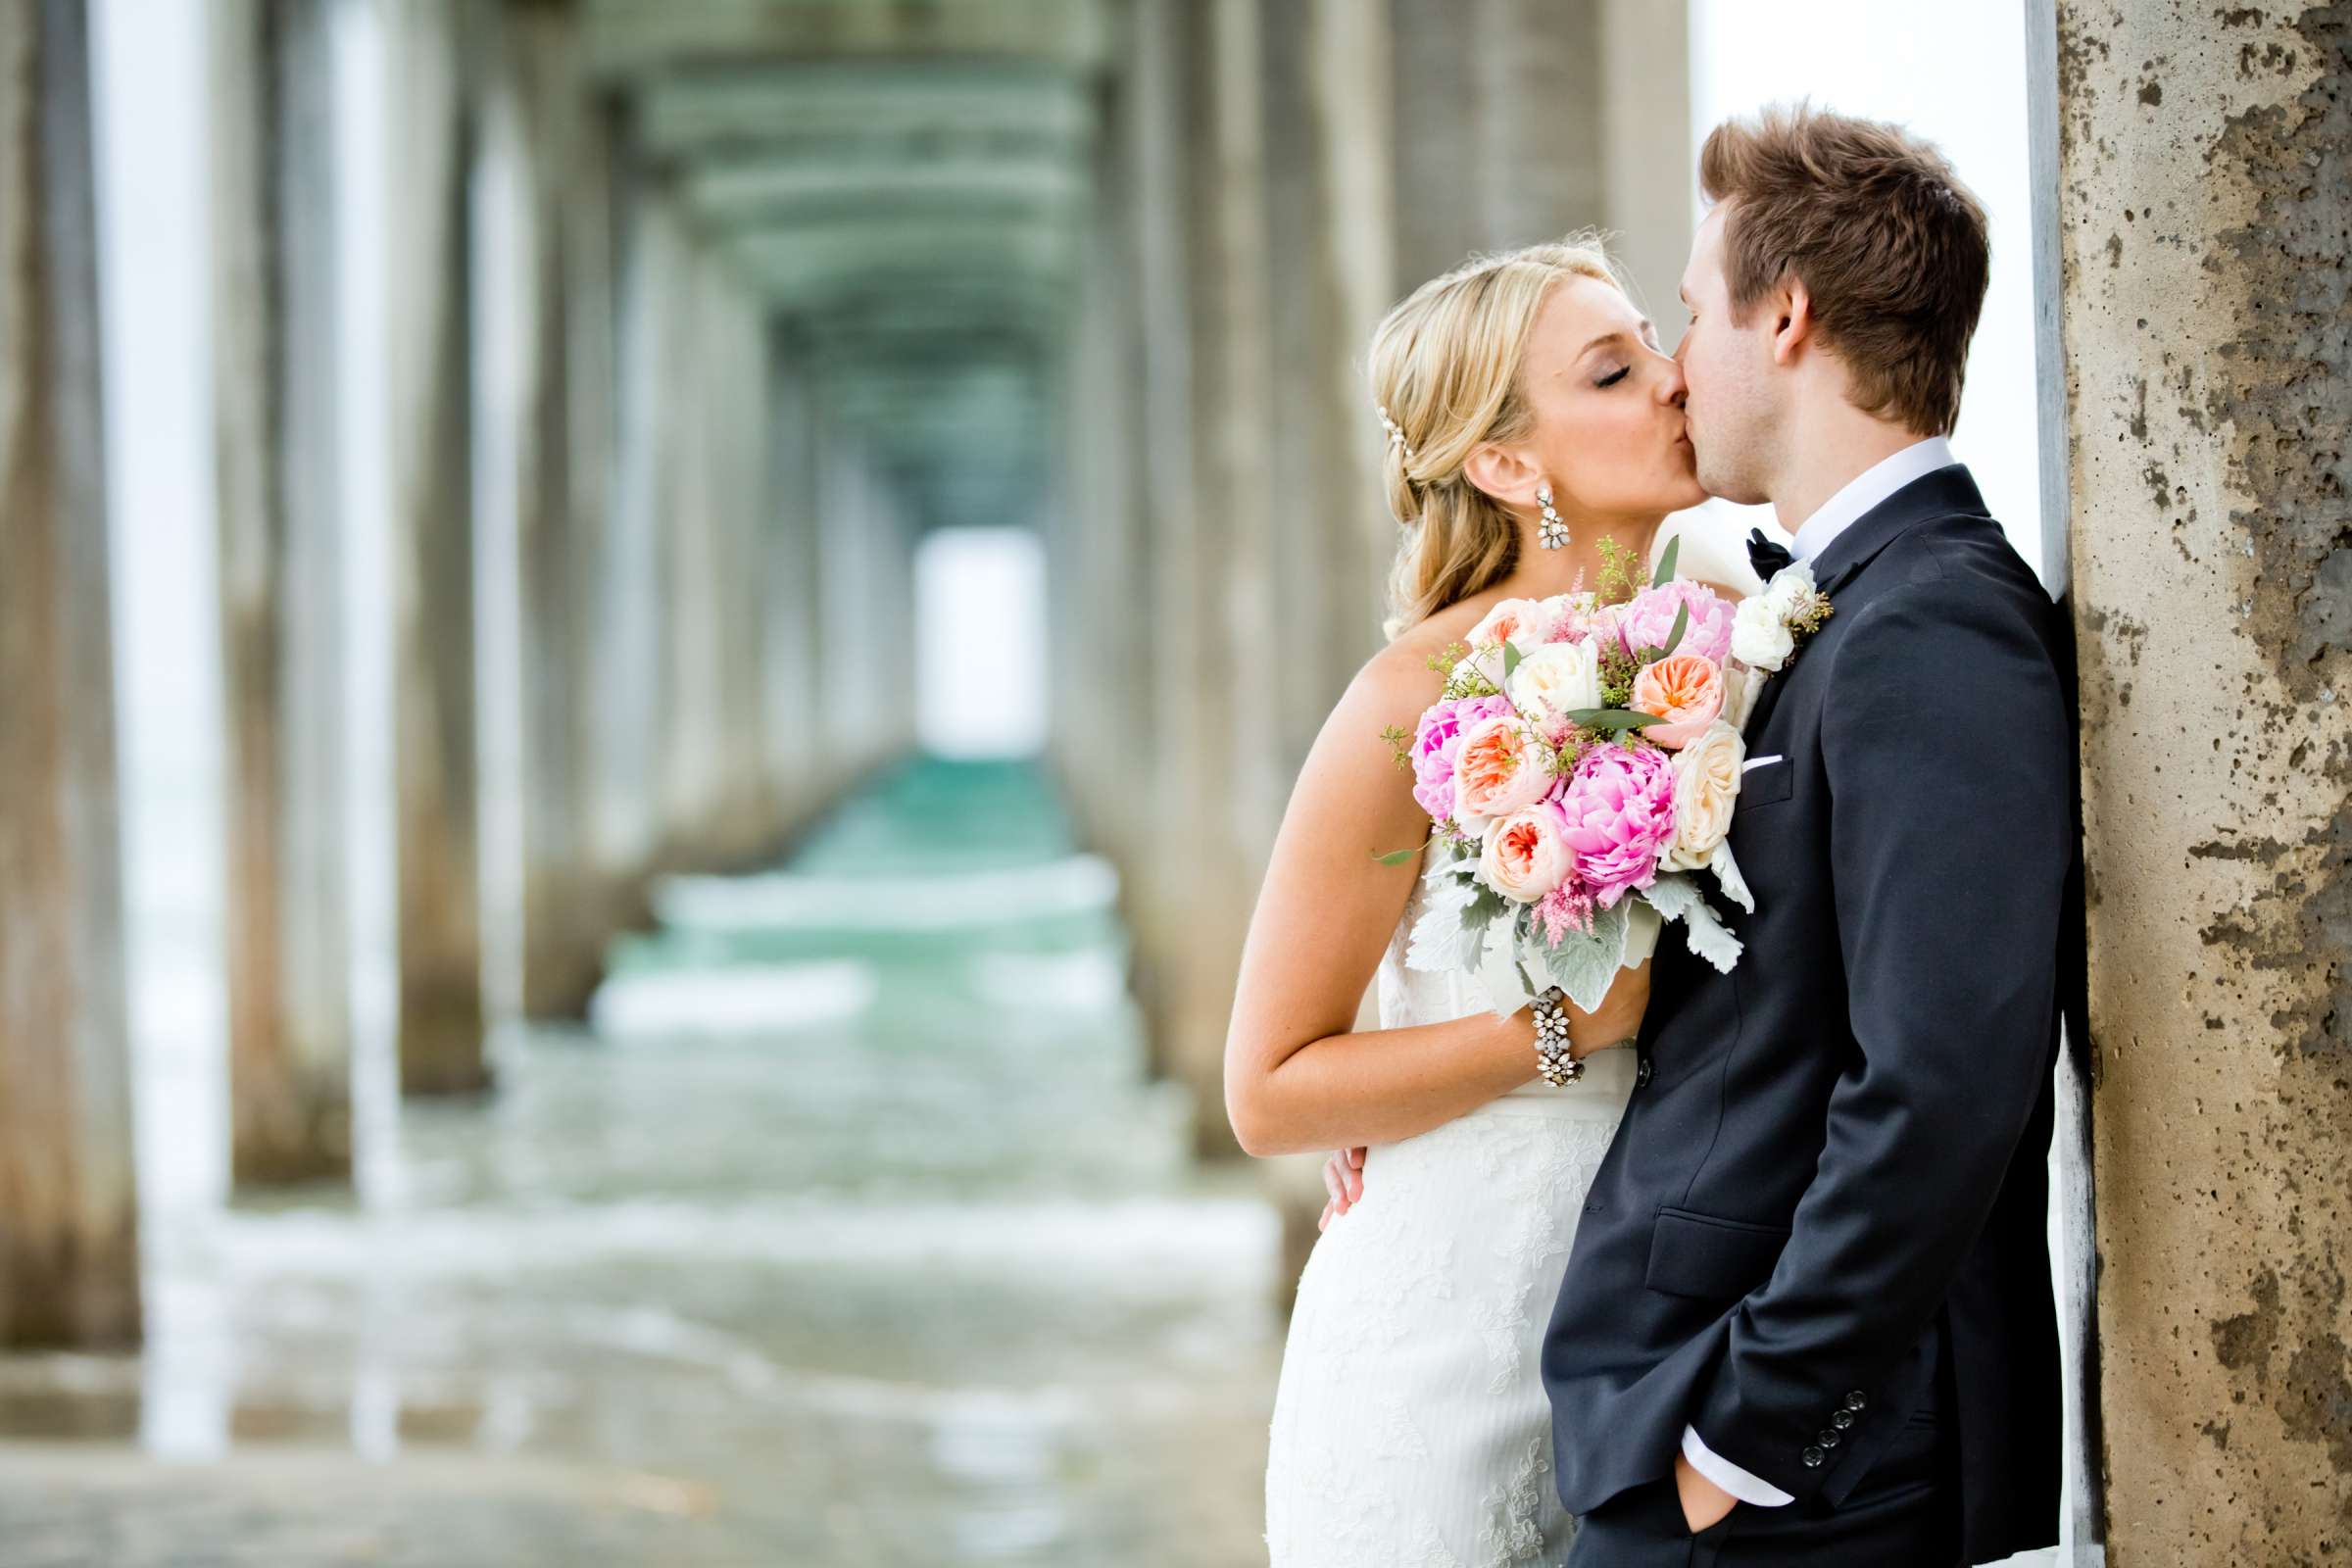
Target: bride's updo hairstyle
[{"x": 1446, "y": 370}]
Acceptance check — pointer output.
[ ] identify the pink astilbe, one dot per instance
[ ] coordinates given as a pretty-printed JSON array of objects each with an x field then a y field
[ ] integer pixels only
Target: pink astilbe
[{"x": 1566, "y": 908}]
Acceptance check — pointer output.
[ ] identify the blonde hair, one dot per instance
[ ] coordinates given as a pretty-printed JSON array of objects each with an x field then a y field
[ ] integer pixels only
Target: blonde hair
[{"x": 1446, "y": 368}]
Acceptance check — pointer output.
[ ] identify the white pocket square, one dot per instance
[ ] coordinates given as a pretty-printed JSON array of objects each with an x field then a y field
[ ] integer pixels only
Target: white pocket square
[{"x": 1759, "y": 761}]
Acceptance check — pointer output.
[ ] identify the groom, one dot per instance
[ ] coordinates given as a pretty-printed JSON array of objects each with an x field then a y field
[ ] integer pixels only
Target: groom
[{"x": 1807, "y": 1317}]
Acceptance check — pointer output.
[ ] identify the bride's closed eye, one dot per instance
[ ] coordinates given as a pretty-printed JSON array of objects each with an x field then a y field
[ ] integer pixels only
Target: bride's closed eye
[{"x": 1615, "y": 377}]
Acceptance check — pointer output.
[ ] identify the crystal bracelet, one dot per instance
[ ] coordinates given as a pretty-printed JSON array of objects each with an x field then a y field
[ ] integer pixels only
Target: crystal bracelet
[{"x": 1554, "y": 1061}]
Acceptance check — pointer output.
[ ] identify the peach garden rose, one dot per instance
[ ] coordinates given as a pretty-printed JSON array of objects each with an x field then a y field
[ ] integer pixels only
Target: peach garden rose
[
  {"x": 1685, "y": 690},
  {"x": 1498, "y": 770}
]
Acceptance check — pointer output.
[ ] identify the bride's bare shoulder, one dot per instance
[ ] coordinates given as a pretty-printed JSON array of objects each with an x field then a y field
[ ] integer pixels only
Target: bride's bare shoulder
[{"x": 1401, "y": 674}]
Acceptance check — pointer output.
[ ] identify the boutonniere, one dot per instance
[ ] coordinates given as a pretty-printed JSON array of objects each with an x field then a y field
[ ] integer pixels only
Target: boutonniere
[{"x": 1767, "y": 630}]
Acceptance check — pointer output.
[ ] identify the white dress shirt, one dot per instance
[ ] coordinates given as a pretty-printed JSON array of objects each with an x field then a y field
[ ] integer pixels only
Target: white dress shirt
[{"x": 1864, "y": 491}]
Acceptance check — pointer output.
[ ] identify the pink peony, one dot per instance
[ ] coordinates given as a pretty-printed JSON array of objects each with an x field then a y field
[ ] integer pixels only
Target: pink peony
[
  {"x": 1648, "y": 619},
  {"x": 1683, "y": 689},
  {"x": 1620, "y": 807},
  {"x": 1437, "y": 741}
]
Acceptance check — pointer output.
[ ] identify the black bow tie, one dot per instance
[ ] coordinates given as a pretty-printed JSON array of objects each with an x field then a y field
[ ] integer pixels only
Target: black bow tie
[{"x": 1765, "y": 556}]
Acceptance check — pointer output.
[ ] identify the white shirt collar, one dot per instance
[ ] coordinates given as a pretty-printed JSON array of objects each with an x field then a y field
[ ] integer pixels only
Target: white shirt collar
[{"x": 1866, "y": 490}]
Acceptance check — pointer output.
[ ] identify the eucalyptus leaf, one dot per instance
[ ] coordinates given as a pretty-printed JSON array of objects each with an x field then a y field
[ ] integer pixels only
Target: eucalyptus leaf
[
  {"x": 1510, "y": 661},
  {"x": 1397, "y": 856},
  {"x": 1617, "y": 721},
  {"x": 1665, "y": 572},
  {"x": 1682, "y": 625}
]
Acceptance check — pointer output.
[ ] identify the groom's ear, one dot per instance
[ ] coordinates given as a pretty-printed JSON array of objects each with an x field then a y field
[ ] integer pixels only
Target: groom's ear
[
  {"x": 1793, "y": 320},
  {"x": 1498, "y": 471}
]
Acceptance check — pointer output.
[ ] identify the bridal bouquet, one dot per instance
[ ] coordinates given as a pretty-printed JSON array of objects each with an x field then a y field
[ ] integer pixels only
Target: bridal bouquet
[{"x": 1581, "y": 769}]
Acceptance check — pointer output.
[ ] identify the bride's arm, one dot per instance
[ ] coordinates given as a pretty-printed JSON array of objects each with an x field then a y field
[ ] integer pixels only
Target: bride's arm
[{"x": 1295, "y": 1076}]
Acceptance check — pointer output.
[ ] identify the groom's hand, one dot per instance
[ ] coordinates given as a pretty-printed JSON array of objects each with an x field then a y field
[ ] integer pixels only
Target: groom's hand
[
  {"x": 1703, "y": 1501},
  {"x": 1344, "y": 1180}
]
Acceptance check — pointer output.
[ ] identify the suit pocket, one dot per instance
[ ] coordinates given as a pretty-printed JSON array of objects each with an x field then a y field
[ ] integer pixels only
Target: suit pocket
[
  {"x": 1761, "y": 786},
  {"x": 1708, "y": 1256}
]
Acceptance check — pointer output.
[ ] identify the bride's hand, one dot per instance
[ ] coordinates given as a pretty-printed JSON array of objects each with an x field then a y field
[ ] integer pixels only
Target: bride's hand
[
  {"x": 1344, "y": 1180},
  {"x": 1617, "y": 1018}
]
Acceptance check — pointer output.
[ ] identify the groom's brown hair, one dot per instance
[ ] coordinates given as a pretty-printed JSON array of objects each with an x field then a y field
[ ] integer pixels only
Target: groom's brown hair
[{"x": 1893, "y": 249}]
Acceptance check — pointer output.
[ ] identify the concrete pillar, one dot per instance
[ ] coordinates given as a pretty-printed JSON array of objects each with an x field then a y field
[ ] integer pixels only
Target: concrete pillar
[
  {"x": 560, "y": 419},
  {"x": 1350, "y": 65},
  {"x": 1155, "y": 71},
  {"x": 1649, "y": 166},
  {"x": 2203, "y": 187},
  {"x": 280, "y": 540},
  {"x": 1096, "y": 568},
  {"x": 792, "y": 626},
  {"x": 441, "y": 1021},
  {"x": 628, "y": 659},
  {"x": 740, "y": 471},
  {"x": 69, "y": 1214},
  {"x": 1219, "y": 796},
  {"x": 1498, "y": 114}
]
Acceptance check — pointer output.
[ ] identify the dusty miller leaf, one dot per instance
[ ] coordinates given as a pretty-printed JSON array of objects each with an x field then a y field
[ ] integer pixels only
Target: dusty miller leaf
[{"x": 1676, "y": 898}]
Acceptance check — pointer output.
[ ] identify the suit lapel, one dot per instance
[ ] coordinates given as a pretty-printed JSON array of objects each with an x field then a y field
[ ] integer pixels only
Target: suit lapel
[{"x": 1940, "y": 494}]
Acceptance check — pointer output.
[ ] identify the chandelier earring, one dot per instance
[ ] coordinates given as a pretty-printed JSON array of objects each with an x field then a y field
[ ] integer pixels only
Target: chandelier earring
[{"x": 1551, "y": 533}]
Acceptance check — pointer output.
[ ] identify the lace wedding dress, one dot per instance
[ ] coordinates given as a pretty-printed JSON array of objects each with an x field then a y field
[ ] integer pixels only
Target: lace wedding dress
[{"x": 1410, "y": 1425}]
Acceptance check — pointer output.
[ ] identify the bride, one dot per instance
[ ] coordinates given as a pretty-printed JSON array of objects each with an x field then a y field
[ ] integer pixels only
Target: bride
[{"x": 1520, "y": 392}]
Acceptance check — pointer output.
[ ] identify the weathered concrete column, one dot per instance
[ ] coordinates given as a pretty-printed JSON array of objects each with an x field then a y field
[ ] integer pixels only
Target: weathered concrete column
[
  {"x": 1159, "y": 885},
  {"x": 562, "y": 339},
  {"x": 1221, "y": 794},
  {"x": 441, "y": 1023},
  {"x": 791, "y": 627},
  {"x": 1649, "y": 168},
  {"x": 2204, "y": 193},
  {"x": 1497, "y": 115},
  {"x": 1098, "y": 592},
  {"x": 627, "y": 656},
  {"x": 68, "y": 1204},
  {"x": 1330, "y": 161},
  {"x": 737, "y": 390},
  {"x": 281, "y": 531}
]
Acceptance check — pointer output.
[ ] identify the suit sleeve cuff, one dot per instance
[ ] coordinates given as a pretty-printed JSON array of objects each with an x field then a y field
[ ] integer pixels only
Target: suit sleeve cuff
[{"x": 1729, "y": 1476}]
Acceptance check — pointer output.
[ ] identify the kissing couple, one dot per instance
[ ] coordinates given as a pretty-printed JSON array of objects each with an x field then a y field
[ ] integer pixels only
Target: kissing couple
[{"x": 1754, "y": 1271}]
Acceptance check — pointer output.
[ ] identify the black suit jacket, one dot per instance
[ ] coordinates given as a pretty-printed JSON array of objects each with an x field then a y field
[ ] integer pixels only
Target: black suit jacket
[{"x": 1843, "y": 1142}]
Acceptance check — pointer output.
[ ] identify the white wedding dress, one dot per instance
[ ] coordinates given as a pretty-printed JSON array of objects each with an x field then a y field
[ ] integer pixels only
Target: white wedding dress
[{"x": 1410, "y": 1425}]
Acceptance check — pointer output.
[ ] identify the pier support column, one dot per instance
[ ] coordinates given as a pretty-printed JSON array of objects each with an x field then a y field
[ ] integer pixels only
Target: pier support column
[
  {"x": 276, "y": 459},
  {"x": 2203, "y": 189},
  {"x": 68, "y": 1203},
  {"x": 441, "y": 1016}
]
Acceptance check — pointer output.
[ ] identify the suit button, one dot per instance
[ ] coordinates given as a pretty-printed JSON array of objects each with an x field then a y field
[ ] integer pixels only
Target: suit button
[
  {"x": 1854, "y": 1399},
  {"x": 1842, "y": 1419},
  {"x": 1827, "y": 1438},
  {"x": 1813, "y": 1457},
  {"x": 1641, "y": 1073}
]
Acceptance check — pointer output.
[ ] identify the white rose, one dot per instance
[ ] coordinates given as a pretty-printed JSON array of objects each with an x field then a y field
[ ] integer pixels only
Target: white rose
[
  {"x": 1760, "y": 635},
  {"x": 1706, "y": 786},
  {"x": 1556, "y": 678},
  {"x": 1789, "y": 588}
]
